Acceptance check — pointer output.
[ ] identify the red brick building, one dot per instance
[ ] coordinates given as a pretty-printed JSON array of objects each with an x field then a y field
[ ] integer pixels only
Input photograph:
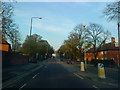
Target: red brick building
[
  {"x": 108, "y": 51},
  {"x": 4, "y": 45}
]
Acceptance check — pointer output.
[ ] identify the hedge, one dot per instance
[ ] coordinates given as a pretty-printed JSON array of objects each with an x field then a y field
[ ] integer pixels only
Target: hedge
[{"x": 107, "y": 63}]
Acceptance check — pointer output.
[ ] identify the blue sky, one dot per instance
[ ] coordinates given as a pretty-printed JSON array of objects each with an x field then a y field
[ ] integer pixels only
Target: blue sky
[{"x": 59, "y": 19}]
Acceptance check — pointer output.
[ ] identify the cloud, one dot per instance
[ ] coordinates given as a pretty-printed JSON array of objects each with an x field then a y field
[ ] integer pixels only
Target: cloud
[
  {"x": 51, "y": 28},
  {"x": 60, "y": 24}
]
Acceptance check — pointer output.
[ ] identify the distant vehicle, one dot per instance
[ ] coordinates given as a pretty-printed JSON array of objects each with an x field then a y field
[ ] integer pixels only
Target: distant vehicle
[
  {"x": 69, "y": 62},
  {"x": 61, "y": 59},
  {"x": 78, "y": 60},
  {"x": 33, "y": 60}
]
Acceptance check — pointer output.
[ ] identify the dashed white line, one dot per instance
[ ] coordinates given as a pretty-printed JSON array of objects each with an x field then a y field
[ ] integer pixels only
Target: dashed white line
[
  {"x": 95, "y": 86},
  {"x": 34, "y": 76},
  {"x": 22, "y": 86},
  {"x": 78, "y": 76},
  {"x": 111, "y": 84}
]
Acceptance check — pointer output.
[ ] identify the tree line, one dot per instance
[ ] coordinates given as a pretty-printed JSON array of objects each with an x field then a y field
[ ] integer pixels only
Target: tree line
[
  {"x": 9, "y": 31},
  {"x": 83, "y": 38},
  {"x": 34, "y": 44}
]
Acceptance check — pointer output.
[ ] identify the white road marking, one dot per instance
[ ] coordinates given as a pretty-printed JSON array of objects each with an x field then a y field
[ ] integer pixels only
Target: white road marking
[
  {"x": 95, "y": 86},
  {"x": 112, "y": 84},
  {"x": 34, "y": 76},
  {"x": 22, "y": 86},
  {"x": 78, "y": 76}
]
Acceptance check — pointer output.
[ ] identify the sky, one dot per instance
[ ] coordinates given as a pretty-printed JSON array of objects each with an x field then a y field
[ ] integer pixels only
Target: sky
[{"x": 59, "y": 19}]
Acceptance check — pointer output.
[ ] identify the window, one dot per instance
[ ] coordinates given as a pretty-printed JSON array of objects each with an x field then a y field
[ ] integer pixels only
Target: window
[
  {"x": 105, "y": 52},
  {"x": 102, "y": 58},
  {"x": 102, "y": 52}
]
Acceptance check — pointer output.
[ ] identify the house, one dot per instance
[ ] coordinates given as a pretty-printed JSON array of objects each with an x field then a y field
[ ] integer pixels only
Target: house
[
  {"x": 4, "y": 45},
  {"x": 108, "y": 51}
]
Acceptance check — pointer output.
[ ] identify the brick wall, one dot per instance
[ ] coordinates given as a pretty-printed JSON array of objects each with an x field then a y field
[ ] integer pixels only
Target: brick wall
[{"x": 11, "y": 58}]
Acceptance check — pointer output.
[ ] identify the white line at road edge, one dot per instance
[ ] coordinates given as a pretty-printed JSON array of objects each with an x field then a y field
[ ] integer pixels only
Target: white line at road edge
[
  {"x": 78, "y": 76},
  {"x": 22, "y": 86},
  {"x": 95, "y": 86}
]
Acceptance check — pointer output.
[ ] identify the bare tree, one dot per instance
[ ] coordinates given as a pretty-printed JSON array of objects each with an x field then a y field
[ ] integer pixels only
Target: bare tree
[
  {"x": 96, "y": 36},
  {"x": 7, "y": 22},
  {"x": 9, "y": 29},
  {"x": 15, "y": 40},
  {"x": 112, "y": 12}
]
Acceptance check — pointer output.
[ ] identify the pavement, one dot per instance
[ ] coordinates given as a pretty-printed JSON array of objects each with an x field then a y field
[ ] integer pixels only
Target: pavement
[{"x": 88, "y": 74}]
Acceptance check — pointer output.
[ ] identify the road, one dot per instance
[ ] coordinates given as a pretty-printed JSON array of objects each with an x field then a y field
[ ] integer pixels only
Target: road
[
  {"x": 54, "y": 75},
  {"x": 57, "y": 74}
]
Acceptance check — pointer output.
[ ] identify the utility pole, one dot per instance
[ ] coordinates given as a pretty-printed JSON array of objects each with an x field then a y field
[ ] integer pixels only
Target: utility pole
[{"x": 31, "y": 31}]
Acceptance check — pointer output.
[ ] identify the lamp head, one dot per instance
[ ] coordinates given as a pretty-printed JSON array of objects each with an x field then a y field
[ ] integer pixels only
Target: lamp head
[
  {"x": 39, "y": 18},
  {"x": 84, "y": 25}
]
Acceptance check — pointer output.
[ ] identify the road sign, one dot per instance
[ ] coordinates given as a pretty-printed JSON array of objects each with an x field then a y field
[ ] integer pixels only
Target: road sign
[{"x": 101, "y": 71}]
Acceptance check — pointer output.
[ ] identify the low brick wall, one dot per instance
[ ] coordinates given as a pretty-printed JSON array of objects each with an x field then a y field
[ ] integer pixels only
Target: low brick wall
[{"x": 12, "y": 58}]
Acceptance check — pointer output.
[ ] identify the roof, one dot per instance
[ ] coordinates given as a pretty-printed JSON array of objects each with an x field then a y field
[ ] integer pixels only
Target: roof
[
  {"x": 106, "y": 47},
  {"x": 4, "y": 41}
]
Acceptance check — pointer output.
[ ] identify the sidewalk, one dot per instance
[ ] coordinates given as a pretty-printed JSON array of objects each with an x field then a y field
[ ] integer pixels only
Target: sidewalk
[
  {"x": 101, "y": 83},
  {"x": 92, "y": 74},
  {"x": 95, "y": 77}
]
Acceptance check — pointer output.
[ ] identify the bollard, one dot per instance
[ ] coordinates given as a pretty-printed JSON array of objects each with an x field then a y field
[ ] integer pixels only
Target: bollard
[
  {"x": 82, "y": 66},
  {"x": 101, "y": 71}
]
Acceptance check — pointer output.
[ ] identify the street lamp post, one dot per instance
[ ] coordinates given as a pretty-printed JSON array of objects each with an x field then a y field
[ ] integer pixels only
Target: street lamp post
[
  {"x": 31, "y": 24},
  {"x": 84, "y": 26},
  {"x": 31, "y": 31}
]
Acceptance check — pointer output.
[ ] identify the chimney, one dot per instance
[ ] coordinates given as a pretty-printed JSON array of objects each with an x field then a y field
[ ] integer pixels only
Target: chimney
[{"x": 112, "y": 40}]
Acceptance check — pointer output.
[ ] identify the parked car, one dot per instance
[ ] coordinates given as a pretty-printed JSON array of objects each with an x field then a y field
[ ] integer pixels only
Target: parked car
[
  {"x": 34, "y": 61},
  {"x": 69, "y": 62}
]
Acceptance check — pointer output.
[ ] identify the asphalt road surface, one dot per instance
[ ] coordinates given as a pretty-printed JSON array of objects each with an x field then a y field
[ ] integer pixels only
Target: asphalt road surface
[{"x": 54, "y": 75}]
